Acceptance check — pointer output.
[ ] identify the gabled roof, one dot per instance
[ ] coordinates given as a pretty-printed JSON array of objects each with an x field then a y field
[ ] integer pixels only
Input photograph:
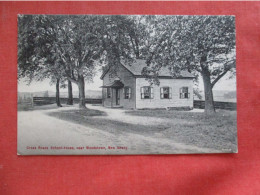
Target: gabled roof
[{"x": 137, "y": 66}]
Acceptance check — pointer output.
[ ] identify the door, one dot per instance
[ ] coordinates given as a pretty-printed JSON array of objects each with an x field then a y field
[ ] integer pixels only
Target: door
[{"x": 117, "y": 97}]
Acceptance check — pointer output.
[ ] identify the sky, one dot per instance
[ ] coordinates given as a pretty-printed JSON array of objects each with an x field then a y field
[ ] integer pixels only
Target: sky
[{"x": 223, "y": 84}]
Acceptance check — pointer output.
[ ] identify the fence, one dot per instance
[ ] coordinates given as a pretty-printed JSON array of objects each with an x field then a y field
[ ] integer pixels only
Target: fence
[
  {"x": 39, "y": 101},
  {"x": 218, "y": 105}
]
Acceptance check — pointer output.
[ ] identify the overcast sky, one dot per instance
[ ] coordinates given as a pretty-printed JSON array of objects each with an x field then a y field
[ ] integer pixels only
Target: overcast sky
[{"x": 223, "y": 84}]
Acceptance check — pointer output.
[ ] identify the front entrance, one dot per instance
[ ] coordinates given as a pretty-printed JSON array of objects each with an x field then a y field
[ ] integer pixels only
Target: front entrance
[{"x": 117, "y": 97}]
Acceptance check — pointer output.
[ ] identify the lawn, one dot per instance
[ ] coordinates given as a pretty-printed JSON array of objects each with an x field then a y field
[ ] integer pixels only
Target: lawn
[
  {"x": 85, "y": 117},
  {"x": 216, "y": 131}
]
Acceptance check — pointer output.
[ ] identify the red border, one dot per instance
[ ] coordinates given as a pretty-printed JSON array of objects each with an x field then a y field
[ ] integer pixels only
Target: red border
[{"x": 173, "y": 174}]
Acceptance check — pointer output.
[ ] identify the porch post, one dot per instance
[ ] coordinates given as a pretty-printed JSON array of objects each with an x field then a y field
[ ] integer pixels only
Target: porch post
[
  {"x": 111, "y": 97},
  {"x": 103, "y": 96}
]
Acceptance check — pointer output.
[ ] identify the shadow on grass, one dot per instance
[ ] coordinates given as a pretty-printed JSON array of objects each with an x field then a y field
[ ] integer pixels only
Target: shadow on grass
[
  {"x": 217, "y": 130},
  {"x": 78, "y": 113},
  {"x": 89, "y": 118},
  {"x": 21, "y": 107}
]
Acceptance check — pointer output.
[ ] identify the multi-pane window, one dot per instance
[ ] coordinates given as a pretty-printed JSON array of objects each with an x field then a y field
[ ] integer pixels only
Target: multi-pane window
[
  {"x": 166, "y": 92},
  {"x": 147, "y": 92},
  {"x": 184, "y": 93},
  {"x": 108, "y": 92},
  {"x": 127, "y": 92}
]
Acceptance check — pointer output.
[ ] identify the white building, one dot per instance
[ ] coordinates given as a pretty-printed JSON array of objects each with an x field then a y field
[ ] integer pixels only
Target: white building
[{"x": 131, "y": 90}]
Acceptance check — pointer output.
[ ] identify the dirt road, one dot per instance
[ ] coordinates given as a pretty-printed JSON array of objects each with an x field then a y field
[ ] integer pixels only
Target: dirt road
[{"x": 39, "y": 133}]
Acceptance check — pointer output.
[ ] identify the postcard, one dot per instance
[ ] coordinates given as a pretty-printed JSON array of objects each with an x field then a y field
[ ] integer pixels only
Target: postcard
[{"x": 126, "y": 84}]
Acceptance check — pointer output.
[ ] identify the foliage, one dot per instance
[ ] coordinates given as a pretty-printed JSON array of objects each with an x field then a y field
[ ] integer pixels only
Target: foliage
[
  {"x": 73, "y": 46},
  {"x": 193, "y": 42}
]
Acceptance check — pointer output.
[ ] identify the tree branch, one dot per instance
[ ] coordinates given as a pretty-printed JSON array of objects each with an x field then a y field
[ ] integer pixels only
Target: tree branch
[
  {"x": 72, "y": 80},
  {"x": 219, "y": 77},
  {"x": 223, "y": 73},
  {"x": 156, "y": 48}
]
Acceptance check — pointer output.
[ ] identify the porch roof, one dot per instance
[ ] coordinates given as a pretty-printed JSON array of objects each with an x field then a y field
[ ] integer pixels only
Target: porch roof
[{"x": 116, "y": 84}]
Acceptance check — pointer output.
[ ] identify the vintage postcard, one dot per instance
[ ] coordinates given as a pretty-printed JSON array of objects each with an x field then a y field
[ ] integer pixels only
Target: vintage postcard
[{"x": 126, "y": 84}]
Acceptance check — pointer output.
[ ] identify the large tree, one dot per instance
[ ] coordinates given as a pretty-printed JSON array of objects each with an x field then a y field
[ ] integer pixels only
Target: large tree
[
  {"x": 36, "y": 59},
  {"x": 77, "y": 44},
  {"x": 78, "y": 48},
  {"x": 123, "y": 40},
  {"x": 203, "y": 45},
  {"x": 60, "y": 45}
]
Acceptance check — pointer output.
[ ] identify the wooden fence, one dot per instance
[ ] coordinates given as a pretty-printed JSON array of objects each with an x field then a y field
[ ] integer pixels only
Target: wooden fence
[
  {"x": 39, "y": 101},
  {"x": 218, "y": 105}
]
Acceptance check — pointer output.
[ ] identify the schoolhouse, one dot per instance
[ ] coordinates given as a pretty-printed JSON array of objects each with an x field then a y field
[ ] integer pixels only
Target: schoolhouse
[{"x": 131, "y": 90}]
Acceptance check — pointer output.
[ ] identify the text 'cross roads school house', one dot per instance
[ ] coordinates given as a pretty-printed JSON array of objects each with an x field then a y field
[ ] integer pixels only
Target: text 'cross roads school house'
[{"x": 131, "y": 90}]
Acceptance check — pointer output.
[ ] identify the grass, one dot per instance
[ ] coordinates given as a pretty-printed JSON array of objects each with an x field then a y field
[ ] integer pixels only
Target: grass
[
  {"x": 216, "y": 131},
  {"x": 85, "y": 117},
  {"x": 21, "y": 107}
]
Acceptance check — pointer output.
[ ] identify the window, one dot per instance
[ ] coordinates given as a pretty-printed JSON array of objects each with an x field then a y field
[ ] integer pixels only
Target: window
[
  {"x": 146, "y": 92},
  {"x": 166, "y": 92},
  {"x": 108, "y": 92},
  {"x": 127, "y": 92},
  {"x": 184, "y": 93}
]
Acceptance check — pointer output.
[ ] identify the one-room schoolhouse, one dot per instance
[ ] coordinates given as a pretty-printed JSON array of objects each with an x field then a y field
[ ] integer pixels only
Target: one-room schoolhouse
[{"x": 131, "y": 90}]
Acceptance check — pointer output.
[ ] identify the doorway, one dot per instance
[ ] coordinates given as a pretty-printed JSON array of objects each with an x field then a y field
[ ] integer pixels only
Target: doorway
[{"x": 117, "y": 96}]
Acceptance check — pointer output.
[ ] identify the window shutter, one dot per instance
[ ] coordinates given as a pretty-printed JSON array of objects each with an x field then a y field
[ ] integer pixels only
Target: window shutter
[
  {"x": 188, "y": 95},
  {"x": 170, "y": 92},
  {"x": 161, "y": 92},
  {"x": 151, "y": 92},
  {"x": 129, "y": 94},
  {"x": 142, "y": 92}
]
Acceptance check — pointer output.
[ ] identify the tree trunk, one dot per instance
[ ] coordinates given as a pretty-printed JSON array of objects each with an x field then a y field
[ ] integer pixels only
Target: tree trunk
[
  {"x": 58, "y": 93},
  {"x": 70, "y": 95},
  {"x": 81, "y": 86},
  {"x": 209, "y": 102}
]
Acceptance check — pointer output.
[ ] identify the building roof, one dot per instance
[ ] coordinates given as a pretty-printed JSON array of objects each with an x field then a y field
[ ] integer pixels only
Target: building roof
[
  {"x": 137, "y": 66},
  {"x": 115, "y": 84}
]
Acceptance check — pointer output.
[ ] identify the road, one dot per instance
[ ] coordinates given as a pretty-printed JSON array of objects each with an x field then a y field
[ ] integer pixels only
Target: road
[{"x": 39, "y": 133}]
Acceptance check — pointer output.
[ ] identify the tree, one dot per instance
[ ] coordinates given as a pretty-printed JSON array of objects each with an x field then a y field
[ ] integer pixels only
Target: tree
[
  {"x": 70, "y": 94},
  {"x": 54, "y": 46},
  {"x": 36, "y": 59},
  {"x": 71, "y": 46},
  {"x": 78, "y": 47},
  {"x": 203, "y": 45},
  {"x": 123, "y": 40}
]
